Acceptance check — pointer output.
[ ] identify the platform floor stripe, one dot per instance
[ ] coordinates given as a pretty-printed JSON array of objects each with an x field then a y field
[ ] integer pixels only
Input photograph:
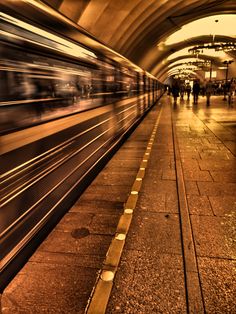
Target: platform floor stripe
[{"x": 99, "y": 298}]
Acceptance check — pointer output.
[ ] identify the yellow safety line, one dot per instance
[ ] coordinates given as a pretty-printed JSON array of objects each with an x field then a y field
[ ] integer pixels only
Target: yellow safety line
[{"x": 99, "y": 298}]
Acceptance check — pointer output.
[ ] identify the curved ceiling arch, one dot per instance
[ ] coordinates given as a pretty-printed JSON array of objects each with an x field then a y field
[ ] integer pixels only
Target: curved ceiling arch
[
  {"x": 158, "y": 25},
  {"x": 219, "y": 24},
  {"x": 135, "y": 27},
  {"x": 181, "y": 61},
  {"x": 164, "y": 78},
  {"x": 163, "y": 60},
  {"x": 144, "y": 23},
  {"x": 156, "y": 30},
  {"x": 135, "y": 19}
]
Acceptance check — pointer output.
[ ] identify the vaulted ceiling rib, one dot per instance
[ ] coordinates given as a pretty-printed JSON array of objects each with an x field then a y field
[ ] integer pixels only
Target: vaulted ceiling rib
[{"x": 135, "y": 27}]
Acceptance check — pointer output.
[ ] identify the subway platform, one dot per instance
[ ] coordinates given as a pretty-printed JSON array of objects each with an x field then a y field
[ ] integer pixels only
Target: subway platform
[{"x": 155, "y": 232}]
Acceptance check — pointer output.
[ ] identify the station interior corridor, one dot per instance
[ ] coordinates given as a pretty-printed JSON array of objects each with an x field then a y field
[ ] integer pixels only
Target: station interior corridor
[
  {"x": 118, "y": 195},
  {"x": 177, "y": 233}
]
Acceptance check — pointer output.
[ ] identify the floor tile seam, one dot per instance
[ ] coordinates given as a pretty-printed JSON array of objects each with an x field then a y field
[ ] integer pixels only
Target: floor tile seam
[
  {"x": 89, "y": 224},
  {"x": 217, "y": 258},
  {"x": 69, "y": 254},
  {"x": 58, "y": 230},
  {"x": 116, "y": 184},
  {"x": 103, "y": 286},
  {"x": 137, "y": 163},
  {"x": 158, "y": 212},
  {"x": 201, "y": 215},
  {"x": 156, "y": 253},
  {"x": 61, "y": 265},
  {"x": 84, "y": 209},
  {"x": 136, "y": 159},
  {"x": 190, "y": 256},
  {"x": 216, "y": 136}
]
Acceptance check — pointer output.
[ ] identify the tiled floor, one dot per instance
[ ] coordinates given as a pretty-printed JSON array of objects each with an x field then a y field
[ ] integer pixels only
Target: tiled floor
[{"x": 153, "y": 275}]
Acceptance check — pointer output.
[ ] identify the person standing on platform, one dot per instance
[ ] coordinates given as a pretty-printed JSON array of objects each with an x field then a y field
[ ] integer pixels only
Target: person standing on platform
[
  {"x": 188, "y": 90},
  {"x": 196, "y": 90},
  {"x": 182, "y": 91},
  {"x": 175, "y": 91},
  {"x": 232, "y": 88},
  {"x": 209, "y": 91}
]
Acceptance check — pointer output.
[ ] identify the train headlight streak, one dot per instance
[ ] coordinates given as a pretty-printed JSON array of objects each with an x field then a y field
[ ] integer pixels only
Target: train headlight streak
[
  {"x": 61, "y": 44},
  {"x": 59, "y": 89}
]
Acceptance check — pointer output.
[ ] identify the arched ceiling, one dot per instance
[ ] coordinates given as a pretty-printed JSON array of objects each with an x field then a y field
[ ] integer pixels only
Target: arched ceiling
[{"x": 135, "y": 27}]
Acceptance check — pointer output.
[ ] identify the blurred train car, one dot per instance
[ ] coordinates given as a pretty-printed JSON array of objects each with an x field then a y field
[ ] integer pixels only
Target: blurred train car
[{"x": 66, "y": 101}]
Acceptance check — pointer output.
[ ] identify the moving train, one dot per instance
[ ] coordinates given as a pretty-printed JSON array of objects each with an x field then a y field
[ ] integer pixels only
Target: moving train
[{"x": 66, "y": 102}]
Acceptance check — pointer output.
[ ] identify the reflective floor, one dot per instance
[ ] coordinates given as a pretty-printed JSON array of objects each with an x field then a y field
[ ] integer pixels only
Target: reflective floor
[{"x": 179, "y": 254}]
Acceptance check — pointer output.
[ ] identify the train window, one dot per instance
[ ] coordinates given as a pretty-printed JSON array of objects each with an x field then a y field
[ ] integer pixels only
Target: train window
[{"x": 39, "y": 83}]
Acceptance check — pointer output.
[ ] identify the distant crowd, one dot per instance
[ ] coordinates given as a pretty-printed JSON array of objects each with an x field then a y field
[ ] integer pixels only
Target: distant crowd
[{"x": 209, "y": 88}]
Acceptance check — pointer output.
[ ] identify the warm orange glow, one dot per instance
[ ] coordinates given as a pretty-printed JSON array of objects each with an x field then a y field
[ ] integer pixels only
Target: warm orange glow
[
  {"x": 224, "y": 24},
  {"x": 60, "y": 43}
]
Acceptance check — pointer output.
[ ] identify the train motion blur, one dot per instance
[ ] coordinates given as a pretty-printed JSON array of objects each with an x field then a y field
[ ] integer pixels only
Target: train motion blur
[{"x": 66, "y": 102}]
